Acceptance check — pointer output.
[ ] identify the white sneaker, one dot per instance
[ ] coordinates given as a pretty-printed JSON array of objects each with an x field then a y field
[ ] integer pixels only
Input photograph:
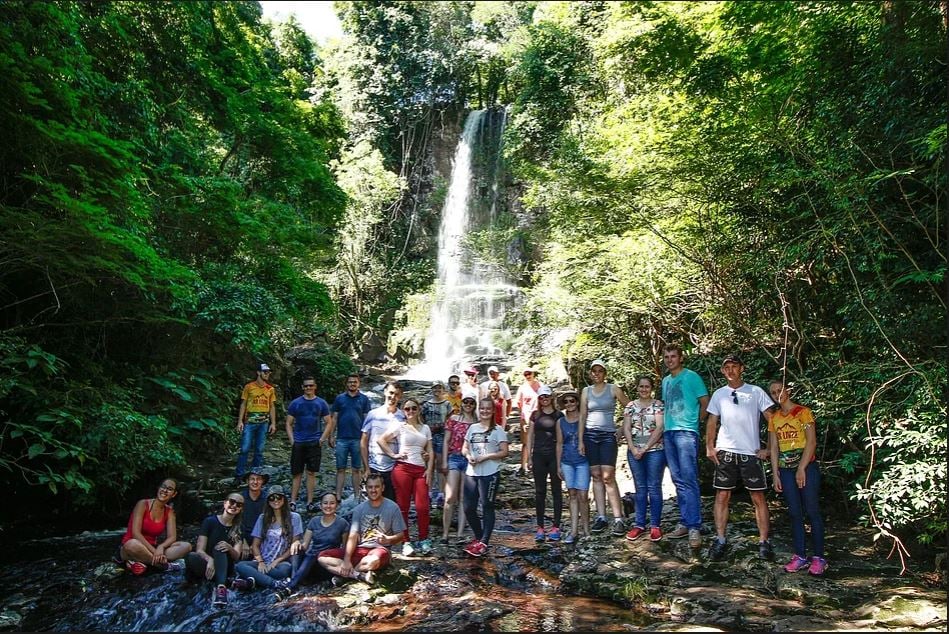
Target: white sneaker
[{"x": 408, "y": 549}]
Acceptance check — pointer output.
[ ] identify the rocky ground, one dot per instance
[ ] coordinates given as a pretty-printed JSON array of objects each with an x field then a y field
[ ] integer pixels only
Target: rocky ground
[{"x": 669, "y": 585}]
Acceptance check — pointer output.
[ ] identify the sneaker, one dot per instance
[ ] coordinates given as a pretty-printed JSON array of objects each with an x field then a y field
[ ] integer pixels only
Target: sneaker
[
  {"x": 338, "y": 581},
  {"x": 619, "y": 528},
  {"x": 444, "y": 541},
  {"x": 717, "y": 551},
  {"x": 635, "y": 534},
  {"x": 425, "y": 546},
  {"x": 818, "y": 566},
  {"x": 680, "y": 532},
  {"x": 243, "y": 584},
  {"x": 137, "y": 568},
  {"x": 655, "y": 534},
  {"x": 695, "y": 538},
  {"x": 569, "y": 539},
  {"x": 282, "y": 593},
  {"x": 293, "y": 507},
  {"x": 408, "y": 549},
  {"x": 765, "y": 551},
  {"x": 797, "y": 563},
  {"x": 220, "y": 596},
  {"x": 312, "y": 507},
  {"x": 476, "y": 548},
  {"x": 539, "y": 536},
  {"x": 599, "y": 524},
  {"x": 366, "y": 577},
  {"x": 554, "y": 534},
  {"x": 174, "y": 566}
]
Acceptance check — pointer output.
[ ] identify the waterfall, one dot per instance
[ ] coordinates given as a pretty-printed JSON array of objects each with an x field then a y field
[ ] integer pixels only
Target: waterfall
[{"x": 471, "y": 296}]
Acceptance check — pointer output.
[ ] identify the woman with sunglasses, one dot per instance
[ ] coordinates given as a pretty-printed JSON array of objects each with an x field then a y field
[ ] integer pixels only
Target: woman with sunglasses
[
  {"x": 412, "y": 474},
  {"x": 149, "y": 519},
  {"x": 542, "y": 462},
  {"x": 218, "y": 548},
  {"x": 574, "y": 466},
  {"x": 276, "y": 530},
  {"x": 452, "y": 459},
  {"x": 486, "y": 445},
  {"x": 643, "y": 427}
]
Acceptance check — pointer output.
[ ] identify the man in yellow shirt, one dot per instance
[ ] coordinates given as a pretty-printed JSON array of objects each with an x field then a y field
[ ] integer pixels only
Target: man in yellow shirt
[{"x": 258, "y": 407}]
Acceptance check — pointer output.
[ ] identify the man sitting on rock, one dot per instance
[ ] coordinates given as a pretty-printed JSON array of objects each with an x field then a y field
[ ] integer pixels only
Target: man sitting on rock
[{"x": 376, "y": 526}]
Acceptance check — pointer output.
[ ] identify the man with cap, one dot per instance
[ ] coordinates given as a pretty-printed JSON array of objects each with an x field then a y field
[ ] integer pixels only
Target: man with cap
[
  {"x": 255, "y": 499},
  {"x": 733, "y": 444},
  {"x": 494, "y": 375},
  {"x": 526, "y": 402},
  {"x": 686, "y": 400},
  {"x": 471, "y": 382},
  {"x": 258, "y": 408}
]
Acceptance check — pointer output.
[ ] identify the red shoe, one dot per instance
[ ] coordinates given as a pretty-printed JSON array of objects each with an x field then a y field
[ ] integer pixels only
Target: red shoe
[
  {"x": 635, "y": 533},
  {"x": 137, "y": 568},
  {"x": 476, "y": 548},
  {"x": 655, "y": 534}
]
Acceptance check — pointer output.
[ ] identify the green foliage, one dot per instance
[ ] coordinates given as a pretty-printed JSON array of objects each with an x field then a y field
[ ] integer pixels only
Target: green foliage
[
  {"x": 165, "y": 191},
  {"x": 759, "y": 176}
]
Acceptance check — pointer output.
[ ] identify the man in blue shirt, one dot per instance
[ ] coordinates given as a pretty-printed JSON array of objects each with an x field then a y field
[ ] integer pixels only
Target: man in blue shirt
[
  {"x": 349, "y": 411},
  {"x": 686, "y": 399},
  {"x": 306, "y": 417}
]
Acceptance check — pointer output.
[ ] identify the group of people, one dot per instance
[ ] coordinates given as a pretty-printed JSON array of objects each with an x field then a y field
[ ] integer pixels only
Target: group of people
[{"x": 397, "y": 451}]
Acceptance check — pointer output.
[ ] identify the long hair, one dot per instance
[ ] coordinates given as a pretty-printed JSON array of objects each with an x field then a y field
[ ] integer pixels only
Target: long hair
[
  {"x": 490, "y": 402},
  {"x": 270, "y": 517}
]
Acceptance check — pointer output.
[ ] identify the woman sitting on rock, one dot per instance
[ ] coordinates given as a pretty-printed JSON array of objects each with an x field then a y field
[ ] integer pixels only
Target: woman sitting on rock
[
  {"x": 276, "y": 530},
  {"x": 218, "y": 548},
  {"x": 149, "y": 519}
]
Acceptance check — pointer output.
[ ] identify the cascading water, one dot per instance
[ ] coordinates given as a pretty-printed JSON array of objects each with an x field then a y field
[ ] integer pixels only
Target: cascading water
[{"x": 471, "y": 294}]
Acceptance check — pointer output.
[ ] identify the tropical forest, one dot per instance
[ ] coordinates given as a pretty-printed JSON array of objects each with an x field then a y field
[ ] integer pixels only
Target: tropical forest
[{"x": 191, "y": 189}]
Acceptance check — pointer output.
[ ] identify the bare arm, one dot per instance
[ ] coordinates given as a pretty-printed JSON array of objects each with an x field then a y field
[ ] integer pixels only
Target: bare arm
[
  {"x": 775, "y": 469},
  {"x": 289, "y": 423},
  {"x": 240, "y": 415},
  {"x": 711, "y": 432},
  {"x": 582, "y": 426},
  {"x": 327, "y": 435}
]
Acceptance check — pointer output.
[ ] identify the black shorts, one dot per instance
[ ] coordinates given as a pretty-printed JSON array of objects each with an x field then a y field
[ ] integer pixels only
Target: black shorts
[
  {"x": 305, "y": 453},
  {"x": 731, "y": 466}
]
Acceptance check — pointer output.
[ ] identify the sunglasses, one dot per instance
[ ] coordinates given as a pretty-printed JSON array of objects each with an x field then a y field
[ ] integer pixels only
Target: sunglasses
[
  {"x": 570, "y": 400},
  {"x": 734, "y": 397},
  {"x": 308, "y": 385},
  {"x": 275, "y": 498},
  {"x": 410, "y": 408},
  {"x": 467, "y": 402},
  {"x": 528, "y": 374},
  {"x": 455, "y": 383},
  {"x": 234, "y": 503}
]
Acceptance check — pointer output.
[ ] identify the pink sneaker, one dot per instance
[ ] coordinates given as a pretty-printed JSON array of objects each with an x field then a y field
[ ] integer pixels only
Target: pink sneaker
[
  {"x": 818, "y": 566},
  {"x": 797, "y": 563}
]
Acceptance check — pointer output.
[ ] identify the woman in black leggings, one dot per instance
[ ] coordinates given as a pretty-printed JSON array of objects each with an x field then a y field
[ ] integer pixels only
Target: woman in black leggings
[{"x": 542, "y": 461}]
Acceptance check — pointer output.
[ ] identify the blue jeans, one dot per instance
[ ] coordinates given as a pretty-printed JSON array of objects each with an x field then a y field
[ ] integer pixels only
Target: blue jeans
[
  {"x": 647, "y": 476},
  {"x": 254, "y": 435},
  {"x": 801, "y": 501},
  {"x": 682, "y": 450},
  {"x": 248, "y": 569}
]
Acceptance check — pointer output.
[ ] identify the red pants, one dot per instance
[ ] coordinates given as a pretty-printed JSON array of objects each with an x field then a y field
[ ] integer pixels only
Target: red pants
[{"x": 409, "y": 480}]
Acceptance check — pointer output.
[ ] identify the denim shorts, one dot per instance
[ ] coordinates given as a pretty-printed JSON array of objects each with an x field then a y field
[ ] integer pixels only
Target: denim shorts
[
  {"x": 457, "y": 462},
  {"x": 576, "y": 476},
  {"x": 348, "y": 448},
  {"x": 601, "y": 448}
]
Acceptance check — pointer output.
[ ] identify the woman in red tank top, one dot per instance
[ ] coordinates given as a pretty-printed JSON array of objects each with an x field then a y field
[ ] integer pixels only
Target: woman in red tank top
[{"x": 149, "y": 519}]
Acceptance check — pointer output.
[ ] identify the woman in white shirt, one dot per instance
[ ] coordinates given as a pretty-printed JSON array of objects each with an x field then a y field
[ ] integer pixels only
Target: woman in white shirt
[
  {"x": 412, "y": 474},
  {"x": 485, "y": 447}
]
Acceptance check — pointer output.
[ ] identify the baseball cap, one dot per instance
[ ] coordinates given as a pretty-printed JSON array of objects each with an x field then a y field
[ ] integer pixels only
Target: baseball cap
[
  {"x": 544, "y": 390},
  {"x": 493, "y": 368},
  {"x": 733, "y": 358},
  {"x": 263, "y": 367},
  {"x": 598, "y": 362},
  {"x": 471, "y": 370}
]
